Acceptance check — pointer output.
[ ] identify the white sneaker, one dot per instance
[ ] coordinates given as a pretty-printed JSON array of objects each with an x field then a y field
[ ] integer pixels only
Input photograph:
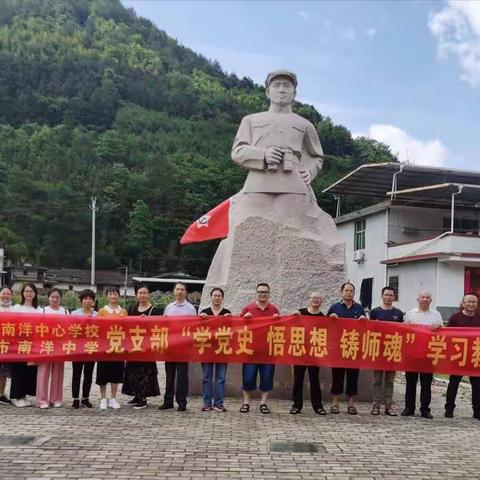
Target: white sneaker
[
  {"x": 21, "y": 402},
  {"x": 43, "y": 405},
  {"x": 103, "y": 404},
  {"x": 57, "y": 405},
  {"x": 112, "y": 403},
  {"x": 30, "y": 403}
]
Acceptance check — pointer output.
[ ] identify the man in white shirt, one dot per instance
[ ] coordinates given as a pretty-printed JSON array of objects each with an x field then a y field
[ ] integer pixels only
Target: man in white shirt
[
  {"x": 179, "y": 307},
  {"x": 422, "y": 315}
]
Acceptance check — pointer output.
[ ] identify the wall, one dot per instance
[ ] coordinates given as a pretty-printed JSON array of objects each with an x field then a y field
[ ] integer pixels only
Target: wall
[
  {"x": 412, "y": 278},
  {"x": 428, "y": 222},
  {"x": 374, "y": 253}
]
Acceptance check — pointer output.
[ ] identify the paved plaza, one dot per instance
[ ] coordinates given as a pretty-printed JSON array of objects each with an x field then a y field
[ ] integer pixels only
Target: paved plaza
[{"x": 152, "y": 444}]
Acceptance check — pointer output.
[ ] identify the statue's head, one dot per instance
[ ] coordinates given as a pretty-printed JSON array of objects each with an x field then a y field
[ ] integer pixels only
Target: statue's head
[{"x": 281, "y": 87}]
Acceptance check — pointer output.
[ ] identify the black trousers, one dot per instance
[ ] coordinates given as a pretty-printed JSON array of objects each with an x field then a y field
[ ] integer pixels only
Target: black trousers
[
  {"x": 425, "y": 391},
  {"x": 77, "y": 368},
  {"x": 180, "y": 370},
  {"x": 315, "y": 391},
  {"x": 452, "y": 390},
  {"x": 338, "y": 380},
  {"x": 24, "y": 380}
]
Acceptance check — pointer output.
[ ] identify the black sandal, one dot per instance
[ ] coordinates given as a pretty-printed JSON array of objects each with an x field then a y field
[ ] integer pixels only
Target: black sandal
[
  {"x": 264, "y": 408},
  {"x": 320, "y": 411},
  {"x": 295, "y": 411},
  {"x": 245, "y": 408}
]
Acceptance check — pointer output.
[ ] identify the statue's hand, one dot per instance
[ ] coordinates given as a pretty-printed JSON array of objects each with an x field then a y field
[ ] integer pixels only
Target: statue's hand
[
  {"x": 273, "y": 156},
  {"x": 306, "y": 176}
]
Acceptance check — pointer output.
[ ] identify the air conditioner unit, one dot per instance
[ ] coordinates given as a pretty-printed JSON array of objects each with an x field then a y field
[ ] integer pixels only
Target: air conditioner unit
[{"x": 359, "y": 256}]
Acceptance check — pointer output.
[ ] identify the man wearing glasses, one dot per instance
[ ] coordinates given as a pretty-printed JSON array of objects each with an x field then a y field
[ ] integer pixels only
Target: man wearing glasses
[{"x": 261, "y": 307}]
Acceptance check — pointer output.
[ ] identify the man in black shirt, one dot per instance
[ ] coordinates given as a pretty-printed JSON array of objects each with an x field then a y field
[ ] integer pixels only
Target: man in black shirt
[
  {"x": 468, "y": 316},
  {"x": 313, "y": 309},
  {"x": 383, "y": 380}
]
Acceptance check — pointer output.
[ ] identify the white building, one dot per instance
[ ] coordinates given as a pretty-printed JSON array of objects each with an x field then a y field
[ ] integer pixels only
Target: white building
[{"x": 422, "y": 235}]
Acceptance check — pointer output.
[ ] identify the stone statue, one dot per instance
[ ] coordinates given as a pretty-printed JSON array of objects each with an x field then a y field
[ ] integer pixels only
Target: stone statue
[
  {"x": 278, "y": 234},
  {"x": 280, "y": 149}
]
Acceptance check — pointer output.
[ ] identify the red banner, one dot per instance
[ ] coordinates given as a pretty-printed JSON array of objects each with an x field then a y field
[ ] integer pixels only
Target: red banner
[{"x": 287, "y": 340}]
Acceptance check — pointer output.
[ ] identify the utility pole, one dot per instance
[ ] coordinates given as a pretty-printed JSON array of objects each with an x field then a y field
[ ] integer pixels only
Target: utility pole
[
  {"x": 93, "y": 208},
  {"x": 125, "y": 288}
]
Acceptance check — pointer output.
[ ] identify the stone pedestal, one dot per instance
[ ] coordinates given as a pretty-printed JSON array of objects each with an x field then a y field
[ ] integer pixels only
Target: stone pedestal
[
  {"x": 295, "y": 256},
  {"x": 294, "y": 261}
]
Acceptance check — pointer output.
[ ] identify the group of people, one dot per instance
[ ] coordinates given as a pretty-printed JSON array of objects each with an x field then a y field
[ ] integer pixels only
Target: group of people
[{"x": 44, "y": 380}]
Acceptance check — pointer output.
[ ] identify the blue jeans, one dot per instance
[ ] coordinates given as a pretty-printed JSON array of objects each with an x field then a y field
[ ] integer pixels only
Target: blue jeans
[
  {"x": 249, "y": 373},
  {"x": 208, "y": 391}
]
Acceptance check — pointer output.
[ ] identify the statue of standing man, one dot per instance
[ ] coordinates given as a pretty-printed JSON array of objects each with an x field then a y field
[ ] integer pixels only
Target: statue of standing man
[{"x": 278, "y": 233}]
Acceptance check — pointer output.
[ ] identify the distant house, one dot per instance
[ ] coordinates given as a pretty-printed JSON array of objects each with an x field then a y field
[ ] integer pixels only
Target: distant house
[
  {"x": 424, "y": 235},
  {"x": 166, "y": 283},
  {"x": 67, "y": 279},
  {"x": 17, "y": 275}
]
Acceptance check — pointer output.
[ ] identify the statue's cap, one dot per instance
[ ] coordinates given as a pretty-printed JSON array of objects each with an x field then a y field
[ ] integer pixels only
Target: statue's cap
[{"x": 281, "y": 73}]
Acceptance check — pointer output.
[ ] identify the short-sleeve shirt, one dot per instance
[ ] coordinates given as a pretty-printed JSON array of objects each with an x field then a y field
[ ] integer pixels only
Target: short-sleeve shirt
[
  {"x": 209, "y": 311},
  {"x": 79, "y": 311},
  {"x": 422, "y": 317},
  {"x": 340, "y": 309},
  {"x": 25, "y": 309},
  {"x": 179, "y": 309},
  {"x": 387, "y": 314},
  {"x": 304, "y": 311},
  {"x": 151, "y": 311},
  {"x": 459, "y": 319},
  {"x": 108, "y": 311},
  {"x": 59, "y": 311},
  {"x": 256, "y": 311}
]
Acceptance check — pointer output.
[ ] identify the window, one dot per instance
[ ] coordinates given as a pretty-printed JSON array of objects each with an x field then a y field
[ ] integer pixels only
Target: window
[
  {"x": 393, "y": 282},
  {"x": 472, "y": 280},
  {"x": 359, "y": 235},
  {"x": 461, "y": 225}
]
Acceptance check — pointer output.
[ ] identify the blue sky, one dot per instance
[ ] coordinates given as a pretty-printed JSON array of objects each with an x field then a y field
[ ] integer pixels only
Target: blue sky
[{"x": 406, "y": 73}]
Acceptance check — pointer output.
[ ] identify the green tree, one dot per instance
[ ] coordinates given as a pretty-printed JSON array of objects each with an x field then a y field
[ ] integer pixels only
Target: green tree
[{"x": 140, "y": 229}]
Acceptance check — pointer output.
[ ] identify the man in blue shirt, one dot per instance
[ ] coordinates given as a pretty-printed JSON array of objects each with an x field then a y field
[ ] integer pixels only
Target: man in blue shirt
[
  {"x": 383, "y": 380},
  {"x": 346, "y": 308},
  {"x": 179, "y": 307}
]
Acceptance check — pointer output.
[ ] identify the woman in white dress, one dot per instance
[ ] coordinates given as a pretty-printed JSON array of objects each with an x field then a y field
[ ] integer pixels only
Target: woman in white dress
[{"x": 24, "y": 376}]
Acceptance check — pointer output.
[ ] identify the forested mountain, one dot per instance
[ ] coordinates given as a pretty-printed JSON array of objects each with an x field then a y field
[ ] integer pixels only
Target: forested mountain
[{"x": 95, "y": 101}]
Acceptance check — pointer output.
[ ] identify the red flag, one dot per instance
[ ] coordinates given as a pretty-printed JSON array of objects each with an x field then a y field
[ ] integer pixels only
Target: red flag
[{"x": 213, "y": 224}]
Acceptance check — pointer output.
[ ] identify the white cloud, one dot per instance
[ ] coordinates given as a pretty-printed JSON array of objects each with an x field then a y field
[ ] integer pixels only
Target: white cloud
[
  {"x": 457, "y": 30},
  {"x": 407, "y": 148},
  {"x": 304, "y": 14},
  {"x": 371, "y": 32}
]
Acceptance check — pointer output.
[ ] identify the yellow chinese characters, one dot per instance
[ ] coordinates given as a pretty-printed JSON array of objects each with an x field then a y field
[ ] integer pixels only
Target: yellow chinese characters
[
  {"x": 159, "y": 339},
  {"x": 350, "y": 344},
  {"x": 115, "y": 337},
  {"x": 297, "y": 342},
  {"x": 392, "y": 347},
  {"x": 460, "y": 345},
  {"x": 136, "y": 337},
  {"x": 202, "y": 337},
  {"x": 244, "y": 338},
  {"x": 371, "y": 345},
  {"x": 276, "y": 341},
  {"x": 223, "y": 336},
  {"x": 437, "y": 347},
  {"x": 4, "y": 346},
  {"x": 318, "y": 342},
  {"x": 8, "y": 330}
]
